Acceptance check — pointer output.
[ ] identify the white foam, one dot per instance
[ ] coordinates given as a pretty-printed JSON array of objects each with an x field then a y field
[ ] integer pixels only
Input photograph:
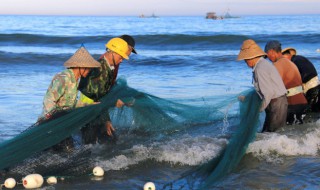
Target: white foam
[
  {"x": 268, "y": 145},
  {"x": 135, "y": 155},
  {"x": 184, "y": 151},
  {"x": 190, "y": 151}
]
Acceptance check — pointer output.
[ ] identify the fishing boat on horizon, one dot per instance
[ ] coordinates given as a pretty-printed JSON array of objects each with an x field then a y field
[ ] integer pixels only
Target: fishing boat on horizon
[
  {"x": 152, "y": 16},
  {"x": 212, "y": 15},
  {"x": 227, "y": 15}
]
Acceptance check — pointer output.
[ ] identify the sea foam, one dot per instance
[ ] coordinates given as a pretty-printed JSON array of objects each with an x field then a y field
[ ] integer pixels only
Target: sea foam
[
  {"x": 268, "y": 144},
  {"x": 183, "y": 151}
]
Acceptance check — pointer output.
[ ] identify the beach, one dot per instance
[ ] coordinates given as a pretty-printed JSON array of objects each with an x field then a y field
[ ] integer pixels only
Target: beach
[{"x": 179, "y": 58}]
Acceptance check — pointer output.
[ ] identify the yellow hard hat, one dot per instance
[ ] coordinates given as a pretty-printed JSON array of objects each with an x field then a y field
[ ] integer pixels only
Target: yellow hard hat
[{"x": 118, "y": 46}]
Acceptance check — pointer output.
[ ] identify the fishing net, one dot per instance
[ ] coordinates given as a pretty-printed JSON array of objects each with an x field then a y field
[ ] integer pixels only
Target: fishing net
[
  {"x": 205, "y": 176},
  {"x": 31, "y": 151}
]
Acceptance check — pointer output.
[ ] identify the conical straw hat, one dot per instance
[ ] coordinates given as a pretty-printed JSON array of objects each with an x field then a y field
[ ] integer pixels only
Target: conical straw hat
[
  {"x": 291, "y": 50},
  {"x": 249, "y": 50},
  {"x": 82, "y": 58}
]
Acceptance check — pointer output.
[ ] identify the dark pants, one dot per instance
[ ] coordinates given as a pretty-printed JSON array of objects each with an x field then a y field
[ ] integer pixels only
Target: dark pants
[
  {"x": 96, "y": 132},
  {"x": 313, "y": 99},
  {"x": 276, "y": 114},
  {"x": 66, "y": 145}
]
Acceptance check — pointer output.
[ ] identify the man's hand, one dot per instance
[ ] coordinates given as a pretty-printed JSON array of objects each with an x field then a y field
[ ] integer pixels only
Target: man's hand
[
  {"x": 48, "y": 116},
  {"x": 120, "y": 103},
  {"x": 241, "y": 98},
  {"x": 110, "y": 129}
]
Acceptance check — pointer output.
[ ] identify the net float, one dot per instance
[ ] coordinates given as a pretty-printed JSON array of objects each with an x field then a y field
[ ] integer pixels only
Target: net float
[
  {"x": 10, "y": 183},
  {"x": 52, "y": 180},
  {"x": 149, "y": 186},
  {"x": 98, "y": 171},
  {"x": 32, "y": 181}
]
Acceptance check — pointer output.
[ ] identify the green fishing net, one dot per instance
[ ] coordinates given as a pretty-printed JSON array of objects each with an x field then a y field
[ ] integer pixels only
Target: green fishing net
[
  {"x": 151, "y": 116},
  {"x": 205, "y": 176},
  {"x": 143, "y": 114}
]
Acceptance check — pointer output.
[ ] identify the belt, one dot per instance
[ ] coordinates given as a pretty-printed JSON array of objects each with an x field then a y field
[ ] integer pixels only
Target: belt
[
  {"x": 310, "y": 84},
  {"x": 294, "y": 91}
]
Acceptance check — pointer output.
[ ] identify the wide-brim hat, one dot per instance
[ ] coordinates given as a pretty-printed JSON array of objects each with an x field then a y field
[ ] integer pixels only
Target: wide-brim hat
[
  {"x": 250, "y": 50},
  {"x": 129, "y": 39},
  {"x": 82, "y": 58},
  {"x": 290, "y": 49}
]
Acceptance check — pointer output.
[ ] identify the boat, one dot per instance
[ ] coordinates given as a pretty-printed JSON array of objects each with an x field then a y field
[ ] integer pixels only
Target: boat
[
  {"x": 212, "y": 15},
  {"x": 152, "y": 16},
  {"x": 228, "y": 15}
]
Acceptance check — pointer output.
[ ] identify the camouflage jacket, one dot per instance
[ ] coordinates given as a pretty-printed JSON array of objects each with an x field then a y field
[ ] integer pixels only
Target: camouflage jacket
[
  {"x": 62, "y": 92},
  {"x": 98, "y": 82}
]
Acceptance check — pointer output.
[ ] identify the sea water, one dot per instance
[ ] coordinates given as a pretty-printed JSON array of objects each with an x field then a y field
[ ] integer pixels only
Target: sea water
[{"x": 178, "y": 58}]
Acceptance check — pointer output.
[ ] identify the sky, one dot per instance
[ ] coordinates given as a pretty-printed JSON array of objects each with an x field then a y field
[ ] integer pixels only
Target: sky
[{"x": 158, "y": 7}]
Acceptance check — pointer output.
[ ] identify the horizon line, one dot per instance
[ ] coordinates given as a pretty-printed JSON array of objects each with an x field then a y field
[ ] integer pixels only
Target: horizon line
[{"x": 192, "y": 15}]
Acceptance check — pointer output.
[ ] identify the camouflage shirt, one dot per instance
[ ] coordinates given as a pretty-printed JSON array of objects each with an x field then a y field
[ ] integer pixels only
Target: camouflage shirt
[
  {"x": 62, "y": 92},
  {"x": 98, "y": 82}
]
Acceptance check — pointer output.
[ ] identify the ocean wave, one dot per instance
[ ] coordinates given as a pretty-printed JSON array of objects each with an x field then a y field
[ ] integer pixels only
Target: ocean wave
[
  {"x": 272, "y": 146},
  {"x": 53, "y": 56},
  {"x": 157, "y": 41},
  {"x": 187, "y": 150},
  {"x": 32, "y": 58},
  {"x": 47, "y": 40}
]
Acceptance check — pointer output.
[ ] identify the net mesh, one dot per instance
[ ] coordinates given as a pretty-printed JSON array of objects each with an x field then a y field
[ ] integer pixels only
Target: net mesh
[
  {"x": 154, "y": 117},
  {"x": 205, "y": 176}
]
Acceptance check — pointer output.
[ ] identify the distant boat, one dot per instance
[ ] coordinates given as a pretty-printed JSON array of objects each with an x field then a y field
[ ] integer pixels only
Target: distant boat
[
  {"x": 152, "y": 16},
  {"x": 212, "y": 15},
  {"x": 228, "y": 15}
]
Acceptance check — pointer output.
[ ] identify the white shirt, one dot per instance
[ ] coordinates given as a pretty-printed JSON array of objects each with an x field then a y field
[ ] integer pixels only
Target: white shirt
[{"x": 267, "y": 82}]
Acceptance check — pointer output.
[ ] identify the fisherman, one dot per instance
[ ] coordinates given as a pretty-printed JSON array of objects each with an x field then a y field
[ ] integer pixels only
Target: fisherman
[
  {"x": 268, "y": 85},
  {"x": 297, "y": 103},
  {"x": 99, "y": 82},
  {"x": 62, "y": 92},
  {"x": 309, "y": 75},
  {"x": 131, "y": 43}
]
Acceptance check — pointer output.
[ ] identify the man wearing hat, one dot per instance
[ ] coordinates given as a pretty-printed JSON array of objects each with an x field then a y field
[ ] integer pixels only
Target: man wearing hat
[
  {"x": 63, "y": 89},
  {"x": 309, "y": 75},
  {"x": 98, "y": 83},
  {"x": 297, "y": 103},
  {"x": 268, "y": 84},
  {"x": 131, "y": 43}
]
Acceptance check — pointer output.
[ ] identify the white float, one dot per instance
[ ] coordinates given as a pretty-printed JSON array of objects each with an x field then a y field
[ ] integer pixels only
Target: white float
[
  {"x": 10, "y": 183},
  {"x": 98, "y": 171},
  {"x": 149, "y": 186},
  {"x": 52, "y": 180},
  {"x": 32, "y": 181}
]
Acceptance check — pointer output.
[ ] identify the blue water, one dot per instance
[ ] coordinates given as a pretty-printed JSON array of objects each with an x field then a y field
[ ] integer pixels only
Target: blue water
[{"x": 178, "y": 57}]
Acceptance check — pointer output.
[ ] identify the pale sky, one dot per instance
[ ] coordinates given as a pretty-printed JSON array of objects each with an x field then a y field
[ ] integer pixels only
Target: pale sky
[{"x": 158, "y": 7}]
